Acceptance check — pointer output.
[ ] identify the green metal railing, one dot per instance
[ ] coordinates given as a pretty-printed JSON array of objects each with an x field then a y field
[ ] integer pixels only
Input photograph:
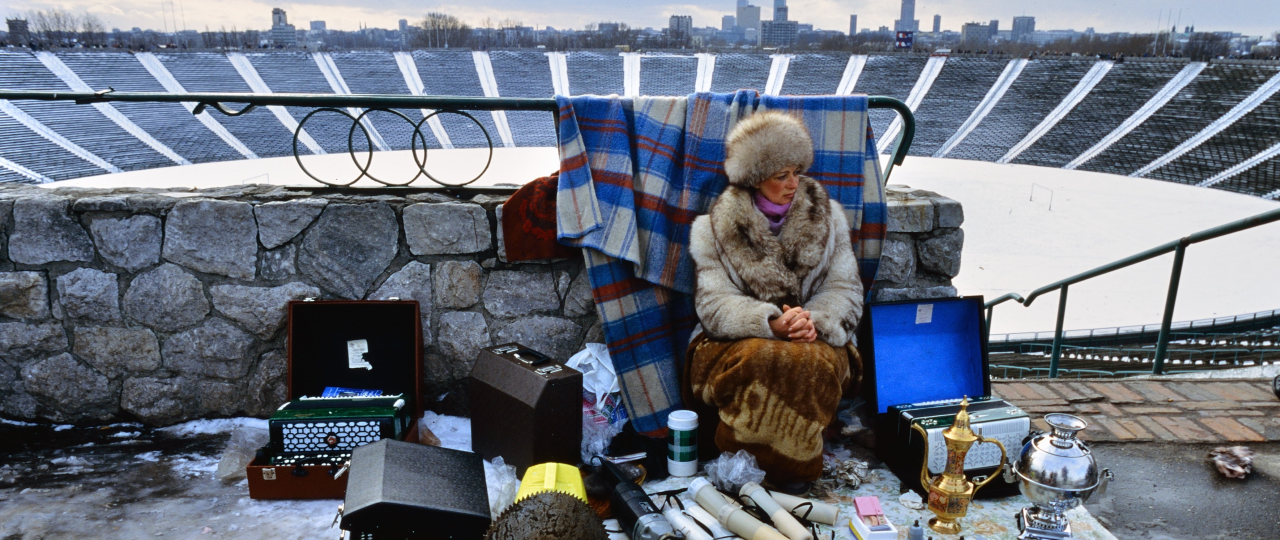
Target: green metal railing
[
  {"x": 387, "y": 103},
  {"x": 1178, "y": 247}
]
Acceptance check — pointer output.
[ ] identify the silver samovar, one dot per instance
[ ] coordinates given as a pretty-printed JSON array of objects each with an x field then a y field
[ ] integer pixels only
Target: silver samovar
[{"x": 1057, "y": 472}]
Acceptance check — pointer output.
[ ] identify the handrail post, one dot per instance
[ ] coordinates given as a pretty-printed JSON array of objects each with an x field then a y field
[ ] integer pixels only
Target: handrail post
[
  {"x": 987, "y": 337},
  {"x": 1162, "y": 343},
  {"x": 1057, "y": 334}
]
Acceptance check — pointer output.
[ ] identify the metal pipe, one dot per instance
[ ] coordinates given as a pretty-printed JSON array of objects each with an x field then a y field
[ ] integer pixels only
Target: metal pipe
[
  {"x": 1162, "y": 343},
  {"x": 1057, "y": 334}
]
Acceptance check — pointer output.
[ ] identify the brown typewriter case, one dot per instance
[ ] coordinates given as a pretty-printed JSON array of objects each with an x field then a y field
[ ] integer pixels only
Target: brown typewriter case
[{"x": 318, "y": 332}]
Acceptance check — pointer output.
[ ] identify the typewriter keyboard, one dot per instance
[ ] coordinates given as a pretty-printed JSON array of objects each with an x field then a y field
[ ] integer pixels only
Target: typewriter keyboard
[{"x": 325, "y": 436}]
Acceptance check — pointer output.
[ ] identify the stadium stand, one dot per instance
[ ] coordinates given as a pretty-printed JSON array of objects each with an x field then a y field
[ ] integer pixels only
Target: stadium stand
[
  {"x": 1253, "y": 133},
  {"x": 736, "y": 71},
  {"x": 668, "y": 75},
  {"x": 1121, "y": 93},
  {"x": 960, "y": 86},
  {"x": 453, "y": 73},
  {"x": 212, "y": 72},
  {"x": 1214, "y": 92},
  {"x": 890, "y": 76},
  {"x": 375, "y": 72},
  {"x": 597, "y": 73},
  {"x": 526, "y": 74},
  {"x": 84, "y": 126},
  {"x": 1041, "y": 87},
  {"x": 812, "y": 74},
  {"x": 24, "y": 148}
]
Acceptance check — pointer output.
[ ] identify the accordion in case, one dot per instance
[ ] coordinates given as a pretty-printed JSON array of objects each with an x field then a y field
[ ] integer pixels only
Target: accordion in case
[{"x": 326, "y": 430}]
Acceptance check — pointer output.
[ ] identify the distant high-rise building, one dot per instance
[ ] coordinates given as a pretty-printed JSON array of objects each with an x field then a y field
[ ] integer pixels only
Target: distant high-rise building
[
  {"x": 283, "y": 34},
  {"x": 937, "y": 24},
  {"x": 749, "y": 19},
  {"x": 975, "y": 34},
  {"x": 318, "y": 25},
  {"x": 778, "y": 33},
  {"x": 853, "y": 25},
  {"x": 1023, "y": 27},
  {"x": 404, "y": 25},
  {"x": 743, "y": 3},
  {"x": 727, "y": 23},
  {"x": 779, "y": 10},
  {"x": 907, "y": 22},
  {"x": 680, "y": 26},
  {"x": 609, "y": 28},
  {"x": 994, "y": 28},
  {"x": 279, "y": 17},
  {"x": 19, "y": 32}
]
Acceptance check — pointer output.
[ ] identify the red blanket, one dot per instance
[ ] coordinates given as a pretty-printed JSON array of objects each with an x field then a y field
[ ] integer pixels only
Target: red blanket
[{"x": 529, "y": 223}]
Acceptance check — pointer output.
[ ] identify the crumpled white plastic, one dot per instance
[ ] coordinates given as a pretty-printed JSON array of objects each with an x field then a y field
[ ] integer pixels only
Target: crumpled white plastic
[
  {"x": 503, "y": 485},
  {"x": 598, "y": 376},
  {"x": 730, "y": 472}
]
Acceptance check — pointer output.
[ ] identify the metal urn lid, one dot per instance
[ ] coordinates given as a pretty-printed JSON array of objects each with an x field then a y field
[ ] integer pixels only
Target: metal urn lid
[{"x": 1057, "y": 459}]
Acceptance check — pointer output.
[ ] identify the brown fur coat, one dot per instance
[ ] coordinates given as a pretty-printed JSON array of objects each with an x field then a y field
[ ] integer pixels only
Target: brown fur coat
[{"x": 745, "y": 273}]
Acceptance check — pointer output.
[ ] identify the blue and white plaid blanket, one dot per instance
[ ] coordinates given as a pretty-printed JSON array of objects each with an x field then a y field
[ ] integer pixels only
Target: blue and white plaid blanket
[{"x": 635, "y": 172}]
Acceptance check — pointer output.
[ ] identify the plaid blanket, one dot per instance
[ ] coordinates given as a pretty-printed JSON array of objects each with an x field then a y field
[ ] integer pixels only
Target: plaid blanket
[{"x": 635, "y": 172}]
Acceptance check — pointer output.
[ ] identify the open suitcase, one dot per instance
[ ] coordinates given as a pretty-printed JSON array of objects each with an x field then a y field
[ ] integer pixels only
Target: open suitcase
[{"x": 318, "y": 357}]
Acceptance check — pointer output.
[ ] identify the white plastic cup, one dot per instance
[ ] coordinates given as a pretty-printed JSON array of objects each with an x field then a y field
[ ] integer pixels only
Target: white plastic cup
[{"x": 682, "y": 443}]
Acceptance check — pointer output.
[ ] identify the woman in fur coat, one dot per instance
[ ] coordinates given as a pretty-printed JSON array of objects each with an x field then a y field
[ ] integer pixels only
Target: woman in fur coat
[{"x": 778, "y": 295}]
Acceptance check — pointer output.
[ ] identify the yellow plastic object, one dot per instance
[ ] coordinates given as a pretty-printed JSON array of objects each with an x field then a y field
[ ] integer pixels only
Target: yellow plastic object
[{"x": 552, "y": 477}]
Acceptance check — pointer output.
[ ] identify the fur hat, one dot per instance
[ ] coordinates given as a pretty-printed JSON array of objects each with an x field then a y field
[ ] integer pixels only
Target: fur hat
[{"x": 764, "y": 144}]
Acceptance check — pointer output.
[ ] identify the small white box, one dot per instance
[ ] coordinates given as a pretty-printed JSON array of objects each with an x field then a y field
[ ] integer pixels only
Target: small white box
[{"x": 862, "y": 532}]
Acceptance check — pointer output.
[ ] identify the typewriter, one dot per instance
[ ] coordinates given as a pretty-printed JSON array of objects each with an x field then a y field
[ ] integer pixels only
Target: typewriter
[{"x": 324, "y": 430}]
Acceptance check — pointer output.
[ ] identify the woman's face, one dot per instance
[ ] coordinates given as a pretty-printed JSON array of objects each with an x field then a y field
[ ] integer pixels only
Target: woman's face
[{"x": 781, "y": 187}]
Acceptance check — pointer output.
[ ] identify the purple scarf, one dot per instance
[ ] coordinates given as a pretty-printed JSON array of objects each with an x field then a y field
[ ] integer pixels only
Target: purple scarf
[{"x": 775, "y": 213}]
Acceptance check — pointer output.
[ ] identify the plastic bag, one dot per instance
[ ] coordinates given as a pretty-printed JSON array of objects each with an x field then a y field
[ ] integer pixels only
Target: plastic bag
[
  {"x": 241, "y": 447},
  {"x": 502, "y": 483},
  {"x": 730, "y": 471},
  {"x": 598, "y": 377},
  {"x": 596, "y": 436}
]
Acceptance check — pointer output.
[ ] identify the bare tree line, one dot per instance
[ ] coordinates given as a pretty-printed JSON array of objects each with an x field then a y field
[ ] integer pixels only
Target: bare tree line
[{"x": 62, "y": 28}]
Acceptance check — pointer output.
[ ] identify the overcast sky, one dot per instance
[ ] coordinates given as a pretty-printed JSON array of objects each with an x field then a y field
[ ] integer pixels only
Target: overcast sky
[{"x": 1254, "y": 17}]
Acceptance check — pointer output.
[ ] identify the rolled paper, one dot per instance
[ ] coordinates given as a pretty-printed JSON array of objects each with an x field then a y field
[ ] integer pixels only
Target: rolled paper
[
  {"x": 733, "y": 518},
  {"x": 785, "y": 523},
  {"x": 817, "y": 512},
  {"x": 701, "y": 516},
  {"x": 685, "y": 524}
]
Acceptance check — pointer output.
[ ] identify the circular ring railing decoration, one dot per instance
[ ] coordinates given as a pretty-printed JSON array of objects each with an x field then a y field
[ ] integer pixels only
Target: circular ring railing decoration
[{"x": 357, "y": 122}]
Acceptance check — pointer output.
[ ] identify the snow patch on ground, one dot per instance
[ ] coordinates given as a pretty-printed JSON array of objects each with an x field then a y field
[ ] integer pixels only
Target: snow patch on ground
[
  {"x": 213, "y": 427},
  {"x": 126, "y": 434},
  {"x": 454, "y": 431},
  {"x": 15, "y": 422},
  {"x": 194, "y": 464},
  {"x": 149, "y": 456},
  {"x": 63, "y": 427}
]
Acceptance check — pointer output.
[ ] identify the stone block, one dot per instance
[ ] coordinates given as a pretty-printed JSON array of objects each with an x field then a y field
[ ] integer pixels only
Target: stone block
[
  {"x": 458, "y": 284},
  {"x": 115, "y": 352},
  {"x": 502, "y": 243},
  {"x": 595, "y": 334},
  {"x": 578, "y": 300},
  {"x": 446, "y": 228},
  {"x": 71, "y": 389},
  {"x": 411, "y": 282},
  {"x": 349, "y": 247},
  {"x": 215, "y": 237},
  {"x": 24, "y": 295},
  {"x": 216, "y": 397},
  {"x": 553, "y": 336},
  {"x": 512, "y": 294},
  {"x": 950, "y": 212},
  {"x": 151, "y": 203},
  {"x": 167, "y": 299},
  {"x": 897, "y": 259},
  {"x": 45, "y": 231},
  {"x": 157, "y": 402},
  {"x": 279, "y": 222},
  {"x": 462, "y": 335},
  {"x": 214, "y": 349},
  {"x": 20, "y": 342},
  {"x": 910, "y": 215},
  {"x": 940, "y": 252},
  {"x": 278, "y": 264},
  {"x": 916, "y": 293},
  {"x": 132, "y": 243},
  {"x": 89, "y": 294},
  {"x": 261, "y": 310},
  {"x": 267, "y": 386},
  {"x": 102, "y": 203}
]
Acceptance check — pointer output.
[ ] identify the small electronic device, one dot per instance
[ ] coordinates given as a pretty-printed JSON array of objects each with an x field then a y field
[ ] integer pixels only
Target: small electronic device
[{"x": 640, "y": 518}]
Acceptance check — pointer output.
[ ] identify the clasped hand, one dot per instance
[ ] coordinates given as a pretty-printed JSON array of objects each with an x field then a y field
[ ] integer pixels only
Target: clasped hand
[{"x": 795, "y": 324}]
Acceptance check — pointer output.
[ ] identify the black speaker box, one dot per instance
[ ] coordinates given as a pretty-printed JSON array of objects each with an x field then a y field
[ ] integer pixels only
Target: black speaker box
[
  {"x": 525, "y": 407},
  {"x": 403, "y": 490}
]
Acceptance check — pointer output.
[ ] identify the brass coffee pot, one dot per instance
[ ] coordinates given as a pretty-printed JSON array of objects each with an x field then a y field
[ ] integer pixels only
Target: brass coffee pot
[{"x": 950, "y": 492}]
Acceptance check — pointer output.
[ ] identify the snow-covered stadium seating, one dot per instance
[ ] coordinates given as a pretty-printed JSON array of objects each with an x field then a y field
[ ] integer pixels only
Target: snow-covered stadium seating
[{"x": 1203, "y": 124}]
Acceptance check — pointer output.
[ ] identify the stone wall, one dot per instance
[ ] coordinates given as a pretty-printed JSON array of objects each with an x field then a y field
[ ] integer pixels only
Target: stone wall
[{"x": 170, "y": 305}]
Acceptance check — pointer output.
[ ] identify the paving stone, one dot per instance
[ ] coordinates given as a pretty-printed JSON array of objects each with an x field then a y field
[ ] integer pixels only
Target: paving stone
[
  {"x": 1221, "y": 391},
  {"x": 1116, "y": 429},
  {"x": 20, "y": 342},
  {"x": 1109, "y": 409},
  {"x": 511, "y": 293},
  {"x": 1232, "y": 430},
  {"x": 412, "y": 282},
  {"x": 446, "y": 228},
  {"x": 1246, "y": 412},
  {"x": 214, "y": 349},
  {"x": 1067, "y": 393},
  {"x": 1155, "y": 392},
  {"x": 1151, "y": 410},
  {"x": 71, "y": 389},
  {"x": 1039, "y": 402},
  {"x": 115, "y": 352},
  {"x": 458, "y": 284},
  {"x": 1086, "y": 408},
  {"x": 1084, "y": 391},
  {"x": 1207, "y": 405},
  {"x": 1246, "y": 392},
  {"x": 349, "y": 247},
  {"x": 1046, "y": 409},
  {"x": 214, "y": 237},
  {"x": 45, "y": 231},
  {"x": 1014, "y": 391},
  {"x": 261, "y": 310},
  {"x": 1139, "y": 433},
  {"x": 166, "y": 298},
  {"x": 1155, "y": 428},
  {"x": 89, "y": 294},
  {"x": 1193, "y": 392},
  {"x": 940, "y": 251},
  {"x": 278, "y": 263},
  {"x": 1117, "y": 394},
  {"x": 1261, "y": 404},
  {"x": 1044, "y": 391},
  {"x": 157, "y": 402},
  {"x": 132, "y": 243},
  {"x": 1186, "y": 429},
  {"x": 279, "y": 222},
  {"x": 24, "y": 295},
  {"x": 1258, "y": 425}
]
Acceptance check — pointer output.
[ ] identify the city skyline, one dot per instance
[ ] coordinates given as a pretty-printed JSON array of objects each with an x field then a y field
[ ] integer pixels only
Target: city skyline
[{"x": 1250, "y": 17}]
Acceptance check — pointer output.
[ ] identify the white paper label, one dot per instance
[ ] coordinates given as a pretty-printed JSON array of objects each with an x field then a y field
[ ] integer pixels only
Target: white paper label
[
  {"x": 924, "y": 313},
  {"x": 355, "y": 354}
]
